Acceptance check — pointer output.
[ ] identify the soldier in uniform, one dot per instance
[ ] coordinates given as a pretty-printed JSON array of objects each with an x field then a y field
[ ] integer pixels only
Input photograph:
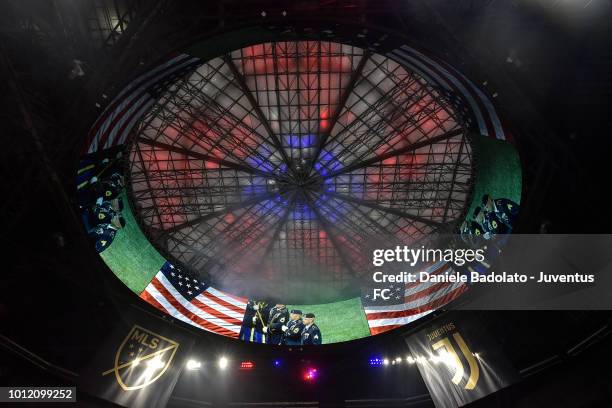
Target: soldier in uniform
[
  {"x": 104, "y": 214},
  {"x": 254, "y": 322},
  {"x": 311, "y": 335},
  {"x": 490, "y": 222},
  {"x": 506, "y": 210},
  {"x": 103, "y": 235},
  {"x": 278, "y": 318},
  {"x": 467, "y": 231},
  {"x": 292, "y": 332},
  {"x": 495, "y": 225},
  {"x": 479, "y": 225},
  {"x": 495, "y": 232},
  {"x": 102, "y": 224},
  {"x": 107, "y": 190}
]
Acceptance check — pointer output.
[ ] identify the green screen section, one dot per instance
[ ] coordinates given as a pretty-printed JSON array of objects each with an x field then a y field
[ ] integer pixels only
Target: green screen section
[
  {"x": 131, "y": 257},
  {"x": 338, "y": 321},
  {"x": 498, "y": 170}
]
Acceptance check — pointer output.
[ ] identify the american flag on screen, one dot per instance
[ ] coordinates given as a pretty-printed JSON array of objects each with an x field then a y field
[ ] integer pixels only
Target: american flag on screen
[
  {"x": 410, "y": 301},
  {"x": 193, "y": 302},
  {"x": 115, "y": 123}
]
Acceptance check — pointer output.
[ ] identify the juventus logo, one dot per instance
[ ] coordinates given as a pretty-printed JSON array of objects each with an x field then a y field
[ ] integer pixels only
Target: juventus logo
[{"x": 447, "y": 345}]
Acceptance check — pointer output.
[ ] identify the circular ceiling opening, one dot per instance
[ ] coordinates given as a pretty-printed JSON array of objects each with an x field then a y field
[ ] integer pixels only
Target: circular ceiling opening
[{"x": 273, "y": 171}]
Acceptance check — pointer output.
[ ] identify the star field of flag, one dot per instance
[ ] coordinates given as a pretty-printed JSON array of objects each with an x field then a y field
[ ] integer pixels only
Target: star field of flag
[
  {"x": 194, "y": 302},
  {"x": 187, "y": 286}
]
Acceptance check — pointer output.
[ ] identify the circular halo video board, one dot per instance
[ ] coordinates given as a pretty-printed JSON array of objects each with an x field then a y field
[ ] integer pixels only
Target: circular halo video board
[{"x": 244, "y": 194}]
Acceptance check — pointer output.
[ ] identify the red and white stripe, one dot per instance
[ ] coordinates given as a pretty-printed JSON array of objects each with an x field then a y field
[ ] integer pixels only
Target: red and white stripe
[
  {"x": 446, "y": 76},
  {"x": 114, "y": 125},
  {"x": 420, "y": 299},
  {"x": 211, "y": 310}
]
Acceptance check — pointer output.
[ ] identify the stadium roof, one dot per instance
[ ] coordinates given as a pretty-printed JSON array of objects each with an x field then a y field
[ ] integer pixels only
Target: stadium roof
[{"x": 275, "y": 169}]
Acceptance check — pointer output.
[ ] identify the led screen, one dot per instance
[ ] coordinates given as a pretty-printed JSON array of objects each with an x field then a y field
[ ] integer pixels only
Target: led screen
[{"x": 267, "y": 175}]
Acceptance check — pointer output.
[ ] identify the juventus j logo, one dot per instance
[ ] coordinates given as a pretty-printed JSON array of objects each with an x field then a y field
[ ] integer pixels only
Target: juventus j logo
[{"x": 445, "y": 343}]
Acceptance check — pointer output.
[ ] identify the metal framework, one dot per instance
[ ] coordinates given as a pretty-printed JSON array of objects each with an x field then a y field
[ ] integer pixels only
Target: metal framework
[
  {"x": 277, "y": 168},
  {"x": 108, "y": 19}
]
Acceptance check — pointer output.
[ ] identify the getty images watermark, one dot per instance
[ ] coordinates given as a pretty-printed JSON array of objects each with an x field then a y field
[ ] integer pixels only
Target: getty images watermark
[{"x": 454, "y": 266}]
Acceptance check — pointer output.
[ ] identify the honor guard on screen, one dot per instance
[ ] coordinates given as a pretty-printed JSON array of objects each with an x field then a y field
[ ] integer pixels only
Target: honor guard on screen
[
  {"x": 292, "y": 332},
  {"x": 311, "y": 335},
  {"x": 278, "y": 318}
]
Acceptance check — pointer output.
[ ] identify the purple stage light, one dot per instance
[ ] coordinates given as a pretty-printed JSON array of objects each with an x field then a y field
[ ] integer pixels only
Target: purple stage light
[{"x": 310, "y": 374}]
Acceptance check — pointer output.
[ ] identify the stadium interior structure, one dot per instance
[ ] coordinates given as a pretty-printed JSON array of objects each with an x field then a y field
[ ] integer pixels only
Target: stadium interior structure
[
  {"x": 299, "y": 129},
  {"x": 265, "y": 148}
]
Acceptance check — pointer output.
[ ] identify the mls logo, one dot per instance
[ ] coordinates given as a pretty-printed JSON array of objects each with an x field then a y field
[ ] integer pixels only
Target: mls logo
[{"x": 142, "y": 358}]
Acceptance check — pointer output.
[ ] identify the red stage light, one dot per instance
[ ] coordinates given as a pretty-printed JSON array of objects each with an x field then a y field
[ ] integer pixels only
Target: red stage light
[
  {"x": 247, "y": 365},
  {"x": 310, "y": 374}
]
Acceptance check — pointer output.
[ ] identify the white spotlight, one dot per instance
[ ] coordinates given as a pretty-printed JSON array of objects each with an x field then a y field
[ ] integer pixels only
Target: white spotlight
[
  {"x": 410, "y": 360},
  {"x": 386, "y": 361},
  {"x": 155, "y": 363},
  {"x": 194, "y": 365},
  {"x": 398, "y": 360},
  {"x": 223, "y": 363},
  {"x": 447, "y": 359}
]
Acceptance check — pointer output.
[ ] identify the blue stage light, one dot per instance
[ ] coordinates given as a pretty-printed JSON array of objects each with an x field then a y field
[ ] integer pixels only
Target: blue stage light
[
  {"x": 376, "y": 361},
  {"x": 299, "y": 141},
  {"x": 277, "y": 363}
]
